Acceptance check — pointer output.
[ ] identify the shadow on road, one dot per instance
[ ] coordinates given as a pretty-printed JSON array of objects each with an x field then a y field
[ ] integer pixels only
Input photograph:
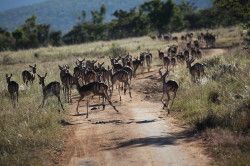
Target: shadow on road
[{"x": 148, "y": 141}]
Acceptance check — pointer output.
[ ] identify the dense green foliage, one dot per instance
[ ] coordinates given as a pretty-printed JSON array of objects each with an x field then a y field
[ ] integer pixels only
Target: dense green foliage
[{"x": 155, "y": 16}]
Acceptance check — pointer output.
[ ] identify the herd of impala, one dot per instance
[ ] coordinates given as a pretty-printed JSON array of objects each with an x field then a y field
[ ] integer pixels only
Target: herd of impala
[{"x": 91, "y": 78}]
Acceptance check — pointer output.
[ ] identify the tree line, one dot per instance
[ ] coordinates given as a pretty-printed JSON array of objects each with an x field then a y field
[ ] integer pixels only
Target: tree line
[{"x": 155, "y": 16}]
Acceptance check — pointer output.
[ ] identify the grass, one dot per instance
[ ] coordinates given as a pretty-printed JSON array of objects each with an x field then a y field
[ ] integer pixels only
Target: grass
[{"x": 32, "y": 137}]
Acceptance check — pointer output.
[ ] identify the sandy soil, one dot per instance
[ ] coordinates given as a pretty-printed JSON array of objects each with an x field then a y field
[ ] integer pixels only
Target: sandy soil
[{"x": 141, "y": 134}]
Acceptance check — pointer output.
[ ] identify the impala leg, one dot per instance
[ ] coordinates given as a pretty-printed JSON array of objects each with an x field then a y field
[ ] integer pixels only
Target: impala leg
[
  {"x": 119, "y": 92},
  {"x": 17, "y": 94},
  {"x": 103, "y": 105},
  {"x": 129, "y": 90},
  {"x": 59, "y": 100},
  {"x": 106, "y": 97},
  {"x": 125, "y": 87},
  {"x": 162, "y": 97},
  {"x": 13, "y": 100},
  {"x": 173, "y": 99},
  {"x": 42, "y": 104},
  {"x": 70, "y": 97},
  {"x": 168, "y": 99},
  {"x": 87, "y": 108},
  {"x": 78, "y": 105}
]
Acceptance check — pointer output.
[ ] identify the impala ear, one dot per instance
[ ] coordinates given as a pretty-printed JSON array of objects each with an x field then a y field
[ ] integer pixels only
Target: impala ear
[
  {"x": 11, "y": 75},
  {"x": 45, "y": 75},
  {"x": 160, "y": 72},
  {"x": 35, "y": 65},
  {"x": 6, "y": 75},
  {"x": 60, "y": 67}
]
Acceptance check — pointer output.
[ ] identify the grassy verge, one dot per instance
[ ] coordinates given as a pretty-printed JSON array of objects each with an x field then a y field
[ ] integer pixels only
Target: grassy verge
[
  {"x": 220, "y": 107},
  {"x": 29, "y": 136}
]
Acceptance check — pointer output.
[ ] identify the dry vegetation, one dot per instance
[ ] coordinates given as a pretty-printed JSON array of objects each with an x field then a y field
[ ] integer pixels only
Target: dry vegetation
[{"x": 29, "y": 136}]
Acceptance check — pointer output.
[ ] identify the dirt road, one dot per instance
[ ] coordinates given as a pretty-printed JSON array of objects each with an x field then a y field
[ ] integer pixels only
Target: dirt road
[{"x": 141, "y": 134}]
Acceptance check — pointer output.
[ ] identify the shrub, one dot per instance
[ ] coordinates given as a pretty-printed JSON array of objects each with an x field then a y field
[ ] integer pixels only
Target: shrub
[
  {"x": 116, "y": 50},
  {"x": 7, "y": 60}
]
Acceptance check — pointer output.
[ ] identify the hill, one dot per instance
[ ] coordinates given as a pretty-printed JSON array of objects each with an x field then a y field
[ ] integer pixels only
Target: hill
[{"x": 63, "y": 14}]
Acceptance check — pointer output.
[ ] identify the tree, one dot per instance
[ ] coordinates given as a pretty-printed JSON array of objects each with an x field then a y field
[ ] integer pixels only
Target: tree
[
  {"x": 231, "y": 12},
  {"x": 98, "y": 16},
  {"x": 43, "y": 34},
  {"x": 55, "y": 38},
  {"x": 159, "y": 13}
]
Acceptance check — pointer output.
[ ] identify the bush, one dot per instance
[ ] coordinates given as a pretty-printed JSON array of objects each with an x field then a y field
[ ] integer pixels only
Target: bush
[
  {"x": 7, "y": 60},
  {"x": 117, "y": 50}
]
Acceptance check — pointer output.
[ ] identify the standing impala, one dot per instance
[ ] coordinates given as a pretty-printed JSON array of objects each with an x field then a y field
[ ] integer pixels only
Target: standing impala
[
  {"x": 13, "y": 88},
  {"x": 52, "y": 89},
  {"x": 91, "y": 89},
  {"x": 196, "y": 70},
  {"x": 29, "y": 76}
]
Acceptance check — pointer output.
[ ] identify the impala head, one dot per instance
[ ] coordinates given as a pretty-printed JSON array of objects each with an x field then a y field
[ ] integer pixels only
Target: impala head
[
  {"x": 79, "y": 62},
  {"x": 42, "y": 79},
  {"x": 163, "y": 75},
  {"x": 8, "y": 77},
  {"x": 99, "y": 65},
  {"x": 33, "y": 68},
  {"x": 64, "y": 68}
]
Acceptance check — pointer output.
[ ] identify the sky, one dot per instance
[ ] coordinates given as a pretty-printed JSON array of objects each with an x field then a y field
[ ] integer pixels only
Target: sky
[{"x": 9, "y": 4}]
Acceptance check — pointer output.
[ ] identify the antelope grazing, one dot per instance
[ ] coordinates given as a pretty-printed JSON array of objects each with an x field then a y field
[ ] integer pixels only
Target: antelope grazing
[
  {"x": 29, "y": 76},
  {"x": 52, "y": 89},
  {"x": 196, "y": 71},
  {"x": 121, "y": 76},
  {"x": 93, "y": 89},
  {"x": 168, "y": 87},
  {"x": 13, "y": 89}
]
